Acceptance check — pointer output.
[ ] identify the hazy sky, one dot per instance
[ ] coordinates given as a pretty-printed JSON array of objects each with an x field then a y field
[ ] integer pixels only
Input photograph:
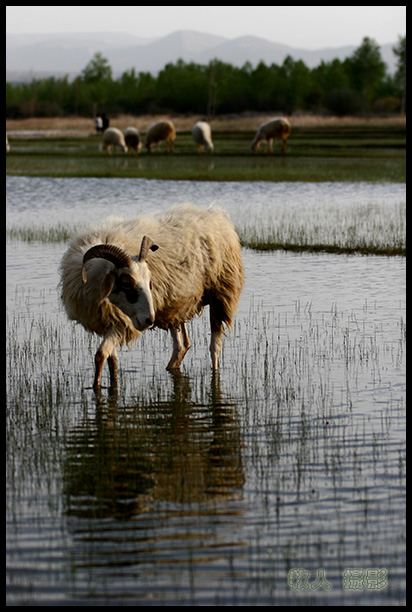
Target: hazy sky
[{"x": 310, "y": 27}]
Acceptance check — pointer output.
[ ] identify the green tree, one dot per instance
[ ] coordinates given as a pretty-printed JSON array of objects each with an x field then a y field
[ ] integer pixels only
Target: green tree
[
  {"x": 400, "y": 75},
  {"x": 295, "y": 84},
  {"x": 97, "y": 69},
  {"x": 366, "y": 70},
  {"x": 95, "y": 83}
]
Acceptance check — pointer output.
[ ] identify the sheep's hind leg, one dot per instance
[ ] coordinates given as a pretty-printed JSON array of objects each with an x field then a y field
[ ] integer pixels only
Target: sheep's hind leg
[
  {"x": 217, "y": 316},
  {"x": 112, "y": 361},
  {"x": 181, "y": 345},
  {"x": 216, "y": 347}
]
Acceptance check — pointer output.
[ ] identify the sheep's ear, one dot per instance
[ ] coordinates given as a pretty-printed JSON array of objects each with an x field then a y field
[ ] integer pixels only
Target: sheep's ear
[
  {"x": 147, "y": 243},
  {"x": 107, "y": 285}
]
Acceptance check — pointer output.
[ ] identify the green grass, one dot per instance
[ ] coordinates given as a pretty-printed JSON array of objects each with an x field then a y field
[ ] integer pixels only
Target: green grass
[{"x": 315, "y": 154}]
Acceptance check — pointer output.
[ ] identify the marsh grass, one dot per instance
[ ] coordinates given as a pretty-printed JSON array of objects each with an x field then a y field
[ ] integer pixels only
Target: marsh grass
[
  {"x": 41, "y": 233},
  {"x": 363, "y": 229}
]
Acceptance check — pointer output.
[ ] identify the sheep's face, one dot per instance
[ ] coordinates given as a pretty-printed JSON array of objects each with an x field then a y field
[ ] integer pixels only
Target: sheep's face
[{"x": 132, "y": 294}]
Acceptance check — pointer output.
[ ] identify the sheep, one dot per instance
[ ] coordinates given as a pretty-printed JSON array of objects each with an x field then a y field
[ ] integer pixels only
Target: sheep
[
  {"x": 112, "y": 137},
  {"x": 161, "y": 130},
  {"x": 112, "y": 291},
  {"x": 275, "y": 128},
  {"x": 7, "y": 145},
  {"x": 132, "y": 139},
  {"x": 202, "y": 135}
]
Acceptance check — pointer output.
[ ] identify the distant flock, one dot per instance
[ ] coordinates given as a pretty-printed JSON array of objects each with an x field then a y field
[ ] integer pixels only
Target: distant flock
[{"x": 164, "y": 131}]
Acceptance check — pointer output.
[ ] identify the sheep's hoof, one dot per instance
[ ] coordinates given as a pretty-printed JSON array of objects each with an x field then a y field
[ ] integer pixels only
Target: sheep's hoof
[{"x": 172, "y": 367}]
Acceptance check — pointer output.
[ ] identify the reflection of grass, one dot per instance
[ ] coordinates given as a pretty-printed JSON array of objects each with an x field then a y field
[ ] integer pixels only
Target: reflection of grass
[
  {"x": 368, "y": 230},
  {"x": 315, "y": 154}
]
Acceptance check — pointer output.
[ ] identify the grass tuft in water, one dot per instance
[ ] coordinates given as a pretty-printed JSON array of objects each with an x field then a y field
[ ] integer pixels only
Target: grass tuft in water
[
  {"x": 361, "y": 229},
  {"x": 366, "y": 230},
  {"x": 41, "y": 233}
]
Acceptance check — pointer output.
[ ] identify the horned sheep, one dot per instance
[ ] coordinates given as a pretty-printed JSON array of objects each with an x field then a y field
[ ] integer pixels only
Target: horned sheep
[
  {"x": 132, "y": 139},
  {"x": 113, "y": 137},
  {"x": 159, "y": 270},
  {"x": 202, "y": 135},
  {"x": 275, "y": 128},
  {"x": 161, "y": 130}
]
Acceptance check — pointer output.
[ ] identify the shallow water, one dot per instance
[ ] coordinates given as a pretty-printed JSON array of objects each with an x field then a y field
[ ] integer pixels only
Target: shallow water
[
  {"x": 200, "y": 490},
  {"x": 50, "y": 200}
]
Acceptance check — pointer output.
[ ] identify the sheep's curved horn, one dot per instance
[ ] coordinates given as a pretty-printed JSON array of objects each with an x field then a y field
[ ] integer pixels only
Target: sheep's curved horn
[
  {"x": 112, "y": 253},
  {"x": 147, "y": 244}
]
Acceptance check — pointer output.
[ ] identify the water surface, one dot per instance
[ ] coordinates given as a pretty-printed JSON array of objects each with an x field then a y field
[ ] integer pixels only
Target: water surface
[{"x": 205, "y": 490}]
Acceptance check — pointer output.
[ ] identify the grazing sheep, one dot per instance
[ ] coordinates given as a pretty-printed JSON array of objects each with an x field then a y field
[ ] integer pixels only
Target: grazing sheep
[
  {"x": 202, "y": 135},
  {"x": 161, "y": 130},
  {"x": 132, "y": 139},
  {"x": 112, "y": 137},
  {"x": 7, "y": 145},
  {"x": 114, "y": 284},
  {"x": 275, "y": 128}
]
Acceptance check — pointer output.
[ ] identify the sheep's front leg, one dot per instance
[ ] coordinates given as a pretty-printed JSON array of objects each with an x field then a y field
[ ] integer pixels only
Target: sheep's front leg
[
  {"x": 181, "y": 345},
  {"x": 99, "y": 360},
  {"x": 106, "y": 351}
]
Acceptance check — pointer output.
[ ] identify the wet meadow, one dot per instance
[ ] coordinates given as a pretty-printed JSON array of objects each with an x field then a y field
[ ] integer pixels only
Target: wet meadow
[{"x": 280, "y": 481}]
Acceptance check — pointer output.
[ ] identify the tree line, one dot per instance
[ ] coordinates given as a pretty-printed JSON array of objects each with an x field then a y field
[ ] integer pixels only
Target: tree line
[{"x": 358, "y": 84}]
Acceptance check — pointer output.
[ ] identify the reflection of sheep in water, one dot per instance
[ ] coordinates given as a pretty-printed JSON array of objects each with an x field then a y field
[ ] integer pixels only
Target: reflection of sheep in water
[
  {"x": 132, "y": 139},
  {"x": 202, "y": 135},
  {"x": 161, "y": 130},
  {"x": 114, "y": 291},
  {"x": 112, "y": 137},
  {"x": 275, "y": 128}
]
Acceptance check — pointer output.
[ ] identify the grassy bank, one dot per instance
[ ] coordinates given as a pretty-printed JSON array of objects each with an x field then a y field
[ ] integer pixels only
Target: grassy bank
[
  {"x": 184, "y": 123},
  {"x": 321, "y": 150}
]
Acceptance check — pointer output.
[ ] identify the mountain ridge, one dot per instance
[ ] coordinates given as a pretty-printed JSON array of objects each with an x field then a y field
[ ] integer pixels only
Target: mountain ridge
[{"x": 37, "y": 55}]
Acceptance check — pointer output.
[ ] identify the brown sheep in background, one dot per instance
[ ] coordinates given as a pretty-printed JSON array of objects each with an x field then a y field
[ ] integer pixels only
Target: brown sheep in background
[
  {"x": 275, "y": 128},
  {"x": 161, "y": 130},
  {"x": 132, "y": 139}
]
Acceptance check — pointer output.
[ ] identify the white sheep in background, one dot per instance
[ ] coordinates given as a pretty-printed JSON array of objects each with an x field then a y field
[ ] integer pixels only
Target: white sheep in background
[
  {"x": 116, "y": 286},
  {"x": 202, "y": 135},
  {"x": 112, "y": 137},
  {"x": 161, "y": 130},
  {"x": 132, "y": 139},
  {"x": 275, "y": 128},
  {"x": 7, "y": 145}
]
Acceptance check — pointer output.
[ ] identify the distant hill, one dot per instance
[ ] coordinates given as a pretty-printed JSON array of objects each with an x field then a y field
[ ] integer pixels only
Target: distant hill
[{"x": 39, "y": 55}]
